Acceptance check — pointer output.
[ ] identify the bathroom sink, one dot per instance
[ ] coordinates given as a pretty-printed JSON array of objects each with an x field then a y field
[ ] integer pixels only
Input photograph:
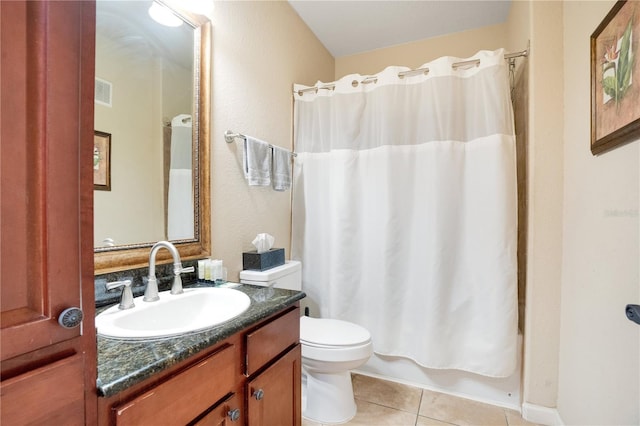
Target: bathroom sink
[{"x": 194, "y": 310}]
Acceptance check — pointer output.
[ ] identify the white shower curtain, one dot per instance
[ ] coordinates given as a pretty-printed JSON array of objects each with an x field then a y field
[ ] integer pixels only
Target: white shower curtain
[
  {"x": 404, "y": 211},
  {"x": 180, "y": 196}
]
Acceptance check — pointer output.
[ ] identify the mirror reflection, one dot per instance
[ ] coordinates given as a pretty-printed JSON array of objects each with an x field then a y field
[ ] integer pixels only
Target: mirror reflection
[{"x": 145, "y": 101}]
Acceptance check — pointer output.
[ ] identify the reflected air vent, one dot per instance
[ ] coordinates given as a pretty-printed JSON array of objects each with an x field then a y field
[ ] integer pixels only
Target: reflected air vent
[{"x": 103, "y": 92}]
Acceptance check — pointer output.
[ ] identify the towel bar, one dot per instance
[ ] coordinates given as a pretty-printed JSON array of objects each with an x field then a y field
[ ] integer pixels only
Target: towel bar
[{"x": 230, "y": 136}]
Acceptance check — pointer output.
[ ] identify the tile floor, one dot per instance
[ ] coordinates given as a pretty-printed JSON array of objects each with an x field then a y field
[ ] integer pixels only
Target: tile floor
[{"x": 381, "y": 402}]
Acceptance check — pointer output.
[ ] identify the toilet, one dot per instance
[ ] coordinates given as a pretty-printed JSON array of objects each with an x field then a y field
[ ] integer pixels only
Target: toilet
[{"x": 330, "y": 349}]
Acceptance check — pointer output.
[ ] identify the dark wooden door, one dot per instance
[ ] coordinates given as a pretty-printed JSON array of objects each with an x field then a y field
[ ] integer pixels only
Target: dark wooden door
[{"x": 46, "y": 211}]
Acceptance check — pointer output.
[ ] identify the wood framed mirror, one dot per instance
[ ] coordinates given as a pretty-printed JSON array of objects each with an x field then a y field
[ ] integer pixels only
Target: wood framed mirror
[{"x": 150, "y": 79}]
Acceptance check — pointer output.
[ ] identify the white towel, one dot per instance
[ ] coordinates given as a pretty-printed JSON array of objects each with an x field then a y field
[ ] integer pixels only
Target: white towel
[
  {"x": 180, "y": 205},
  {"x": 281, "y": 169},
  {"x": 181, "y": 147},
  {"x": 257, "y": 162}
]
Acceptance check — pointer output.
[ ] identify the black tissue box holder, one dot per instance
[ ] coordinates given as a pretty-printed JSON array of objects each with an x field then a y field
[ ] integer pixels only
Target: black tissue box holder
[{"x": 263, "y": 261}]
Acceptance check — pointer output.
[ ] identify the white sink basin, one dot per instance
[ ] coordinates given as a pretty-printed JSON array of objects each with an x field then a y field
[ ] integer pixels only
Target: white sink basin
[{"x": 195, "y": 310}]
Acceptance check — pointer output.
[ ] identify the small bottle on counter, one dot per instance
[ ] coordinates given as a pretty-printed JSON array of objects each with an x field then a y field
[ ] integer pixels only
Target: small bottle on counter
[
  {"x": 217, "y": 270},
  {"x": 201, "y": 268},
  {"x": 212, "y": 271},
  {"x": 207, "y": 270}
]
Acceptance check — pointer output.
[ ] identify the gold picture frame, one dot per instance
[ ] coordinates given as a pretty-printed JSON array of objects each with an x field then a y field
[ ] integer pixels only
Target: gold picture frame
[
  {"x": 615, "y": 78},
  {"x": 101, "y": 161}
]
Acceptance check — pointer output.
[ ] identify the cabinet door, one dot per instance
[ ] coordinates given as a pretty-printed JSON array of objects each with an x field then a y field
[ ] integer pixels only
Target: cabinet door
[
  {"x": 46, "y": 253},
  {"x": 273, "y": 397}
]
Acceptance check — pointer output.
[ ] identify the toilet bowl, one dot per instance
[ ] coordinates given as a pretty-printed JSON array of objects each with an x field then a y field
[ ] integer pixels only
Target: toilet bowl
[{"x": 330, "y": 349}]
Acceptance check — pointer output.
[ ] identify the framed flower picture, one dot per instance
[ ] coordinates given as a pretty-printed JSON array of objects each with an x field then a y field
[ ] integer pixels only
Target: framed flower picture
[
  {"x": 615, "y": 78},
  {"x": 101, "y": 161}
]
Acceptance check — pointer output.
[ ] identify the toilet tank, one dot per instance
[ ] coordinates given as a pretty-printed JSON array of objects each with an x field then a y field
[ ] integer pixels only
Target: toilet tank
[{"x": 287, "y": 276}]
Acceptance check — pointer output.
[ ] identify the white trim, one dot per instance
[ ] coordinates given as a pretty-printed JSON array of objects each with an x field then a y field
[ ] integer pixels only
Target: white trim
[{"x": 541, "y": 415}]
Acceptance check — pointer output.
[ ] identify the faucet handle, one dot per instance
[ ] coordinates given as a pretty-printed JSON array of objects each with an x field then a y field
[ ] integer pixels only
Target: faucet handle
[
  {"x": 116, "y": 284},
  {"x": 179, "y": 269},
  {"x": 176, "y": 287},
  {"x": 188, "y": 269},
  {"x": 126, "y": 301}
]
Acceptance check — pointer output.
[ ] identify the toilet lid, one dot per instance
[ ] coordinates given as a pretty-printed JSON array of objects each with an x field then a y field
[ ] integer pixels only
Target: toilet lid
[{"x": 331, "y": 332}]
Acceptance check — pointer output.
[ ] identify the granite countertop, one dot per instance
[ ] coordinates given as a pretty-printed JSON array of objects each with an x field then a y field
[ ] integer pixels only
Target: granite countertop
[{"x": 123, "y": 363}]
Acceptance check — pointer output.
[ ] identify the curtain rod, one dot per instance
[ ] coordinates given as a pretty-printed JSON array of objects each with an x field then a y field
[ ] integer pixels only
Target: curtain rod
[
  {"x": 230, "y": 136},
  {"x": 425, "y": 71}
]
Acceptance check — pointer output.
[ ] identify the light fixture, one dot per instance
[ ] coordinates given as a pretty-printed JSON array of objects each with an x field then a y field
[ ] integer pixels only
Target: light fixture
[{"x": 163, "y": 15}]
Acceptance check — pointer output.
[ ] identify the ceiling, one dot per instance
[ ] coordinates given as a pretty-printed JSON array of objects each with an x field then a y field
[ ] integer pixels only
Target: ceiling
[
  {"x": 130, "y": 30},
  {"x": 348, "y": 27}
]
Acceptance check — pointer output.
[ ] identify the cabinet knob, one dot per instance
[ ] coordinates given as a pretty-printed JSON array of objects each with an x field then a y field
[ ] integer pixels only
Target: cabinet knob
[
  {"x": 70, "y": 317},
  {"x": 234, "y": 415},
  {"x": 259, "y": 394}
]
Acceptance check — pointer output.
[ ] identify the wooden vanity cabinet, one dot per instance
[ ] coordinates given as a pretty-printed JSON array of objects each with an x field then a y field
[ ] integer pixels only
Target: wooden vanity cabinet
[
  {"x": 251, "y": 378},
  {"x": 182, "y": 397},
  {"x": 273, "y": 370},
  {"x": 181, "y": 394}
]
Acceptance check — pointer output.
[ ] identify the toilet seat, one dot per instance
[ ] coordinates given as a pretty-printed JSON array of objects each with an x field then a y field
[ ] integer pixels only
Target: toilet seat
[
  {"x": 331, "y": 340},
  {"x": 331, "y": 333}
]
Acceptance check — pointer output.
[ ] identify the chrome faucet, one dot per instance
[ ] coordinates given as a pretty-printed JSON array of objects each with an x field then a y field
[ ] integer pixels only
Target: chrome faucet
[
  {"x": 151, "y": 292},
  {"x": 126, "y": 300}
]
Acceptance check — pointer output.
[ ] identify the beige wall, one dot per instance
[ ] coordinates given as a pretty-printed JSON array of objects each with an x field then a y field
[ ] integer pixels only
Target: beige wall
[
  {"x": 518, "y": 29},
  {"x": 545, "y": 191},
  {"x": 599, "y": 348},
  {"x": 259, "y": 50},
  {"x": 177, "y": 90},
  {"x": 463, "y": 45},
  {"x": 135, "y": 124},
  {"x": 581, "y": 354}
]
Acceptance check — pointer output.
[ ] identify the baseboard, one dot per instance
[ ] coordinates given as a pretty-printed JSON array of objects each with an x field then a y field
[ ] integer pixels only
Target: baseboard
[{"x": 541, "y": 415}]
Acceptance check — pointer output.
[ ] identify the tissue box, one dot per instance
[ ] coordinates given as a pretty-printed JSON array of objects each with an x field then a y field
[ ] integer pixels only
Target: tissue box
[{"x": 263, "y": 261}]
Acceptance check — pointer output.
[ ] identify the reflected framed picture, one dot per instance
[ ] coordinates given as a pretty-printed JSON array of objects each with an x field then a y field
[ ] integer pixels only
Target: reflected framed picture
[
  {"x": 101, "y": 161},
  {"x": 615, "y": 78}
]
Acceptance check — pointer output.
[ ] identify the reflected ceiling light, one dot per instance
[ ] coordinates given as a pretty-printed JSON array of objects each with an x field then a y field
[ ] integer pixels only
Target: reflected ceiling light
[{"x": 162, "y": 15}]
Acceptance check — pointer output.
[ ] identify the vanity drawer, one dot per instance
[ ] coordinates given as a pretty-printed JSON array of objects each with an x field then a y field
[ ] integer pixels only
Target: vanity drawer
[
  {"x": 228, "y": 412},
  {"x": 184, "y": 396},
  {"x": 271, "y": 339}
]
